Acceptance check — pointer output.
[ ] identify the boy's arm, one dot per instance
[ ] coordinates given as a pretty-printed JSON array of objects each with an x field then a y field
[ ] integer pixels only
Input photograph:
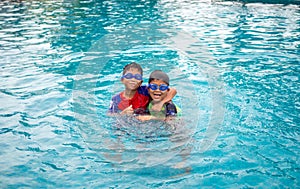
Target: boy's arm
[
  {"x": 171, "y": 93},
  {"x": 149, "y": 117}
]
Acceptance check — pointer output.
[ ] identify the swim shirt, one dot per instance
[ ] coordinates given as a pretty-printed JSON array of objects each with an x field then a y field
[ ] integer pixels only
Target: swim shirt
[
  {"x": 168, "y": 109},
  {"x": 139, "y": 101}
]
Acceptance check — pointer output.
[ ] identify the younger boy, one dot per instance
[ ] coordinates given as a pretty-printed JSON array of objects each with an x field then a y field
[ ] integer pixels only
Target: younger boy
[
  {"x": 135, "y": 98},
  {"x": 158, "y": 89}
]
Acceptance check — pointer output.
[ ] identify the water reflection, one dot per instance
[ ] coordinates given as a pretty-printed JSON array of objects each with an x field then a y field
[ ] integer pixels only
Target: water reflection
[{"x": 254, "y": 48}]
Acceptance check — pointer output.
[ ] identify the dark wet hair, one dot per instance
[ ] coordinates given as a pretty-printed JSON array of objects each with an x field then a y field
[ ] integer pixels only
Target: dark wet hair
[
  {"x": 133, "y": 65},
  {"x": 158, "y": 74}
]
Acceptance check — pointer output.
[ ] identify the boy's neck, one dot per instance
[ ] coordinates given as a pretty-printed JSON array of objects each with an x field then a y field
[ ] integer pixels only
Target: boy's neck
[
  {"x": 156, "y": 102},
  {"x": 129, "y": 93}
]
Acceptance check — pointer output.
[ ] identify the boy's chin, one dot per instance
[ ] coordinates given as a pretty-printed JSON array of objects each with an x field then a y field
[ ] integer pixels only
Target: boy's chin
[
  {"x": 156, "y": 100},
  {"x": 133, "y": 88}
]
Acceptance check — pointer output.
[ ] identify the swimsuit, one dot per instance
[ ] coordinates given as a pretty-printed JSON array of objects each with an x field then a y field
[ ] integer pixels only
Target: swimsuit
[
  {"x": 168, "y": 109},
  {"x": 139, "y": 101}
]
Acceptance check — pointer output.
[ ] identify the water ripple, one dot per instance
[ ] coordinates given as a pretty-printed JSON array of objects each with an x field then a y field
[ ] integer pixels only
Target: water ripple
[{"x": 57, "y": 80}]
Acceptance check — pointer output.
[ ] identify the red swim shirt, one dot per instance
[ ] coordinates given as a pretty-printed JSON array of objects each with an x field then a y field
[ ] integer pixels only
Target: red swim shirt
[{"x": 139, "y": 101}]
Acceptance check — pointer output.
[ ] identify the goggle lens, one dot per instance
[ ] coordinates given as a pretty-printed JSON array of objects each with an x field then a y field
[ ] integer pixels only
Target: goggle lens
[
  {"x": 154, "y": 87},
  {"x": 130, "y": 76}
]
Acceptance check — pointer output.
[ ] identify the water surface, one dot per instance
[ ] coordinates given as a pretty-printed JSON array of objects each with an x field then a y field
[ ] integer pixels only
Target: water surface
[{"x": 235, "y": 66}]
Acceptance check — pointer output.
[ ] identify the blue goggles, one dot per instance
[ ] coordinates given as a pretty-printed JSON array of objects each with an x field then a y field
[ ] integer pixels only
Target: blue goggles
[
  {"x": 154, "y": 87},
  {"x": 130, "y": 76}
]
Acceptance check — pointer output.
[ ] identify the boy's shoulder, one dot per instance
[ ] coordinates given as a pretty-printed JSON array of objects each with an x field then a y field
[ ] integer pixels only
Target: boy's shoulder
[
  {"x": 116, "y": 97},
  {"x": 170, "y": 102},
  {"x": 143, "y": 90},
  {"x": 171, "y": 106},
  {"x": 143, "y": 87}
]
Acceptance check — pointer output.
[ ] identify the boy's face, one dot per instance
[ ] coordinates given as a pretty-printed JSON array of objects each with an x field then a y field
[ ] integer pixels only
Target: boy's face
[
  {"x": 133, "y": 83},
  {"x": 157, "y": 95}
]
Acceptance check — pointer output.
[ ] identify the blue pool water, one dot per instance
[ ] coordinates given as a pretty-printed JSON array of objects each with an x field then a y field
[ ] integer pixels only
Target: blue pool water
[{"x": 235, "y": 65}]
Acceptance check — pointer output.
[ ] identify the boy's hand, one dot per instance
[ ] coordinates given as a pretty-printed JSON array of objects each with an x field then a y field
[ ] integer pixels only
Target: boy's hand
[{"x": 127, "y": 111}]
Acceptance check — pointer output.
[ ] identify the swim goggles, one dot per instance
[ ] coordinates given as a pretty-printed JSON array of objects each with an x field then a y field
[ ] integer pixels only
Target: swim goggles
[
  {"x": 130, "y": 76},
  {"x": 154, "y": 87}
]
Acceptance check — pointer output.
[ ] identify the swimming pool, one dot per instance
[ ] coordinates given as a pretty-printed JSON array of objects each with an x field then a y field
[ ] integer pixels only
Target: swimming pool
[{"x": 235, "y": 66}]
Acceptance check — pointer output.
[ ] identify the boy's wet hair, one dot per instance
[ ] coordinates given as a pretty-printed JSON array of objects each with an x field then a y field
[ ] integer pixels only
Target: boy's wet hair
[
  {"x": 160, "y": 75},
  {"x": 133, "y": 65}
]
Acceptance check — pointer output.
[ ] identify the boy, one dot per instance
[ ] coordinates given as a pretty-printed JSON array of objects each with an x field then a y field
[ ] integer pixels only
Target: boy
[
  {"x": 158, "y": 88},
  {"x": 135, "y": 98}
]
